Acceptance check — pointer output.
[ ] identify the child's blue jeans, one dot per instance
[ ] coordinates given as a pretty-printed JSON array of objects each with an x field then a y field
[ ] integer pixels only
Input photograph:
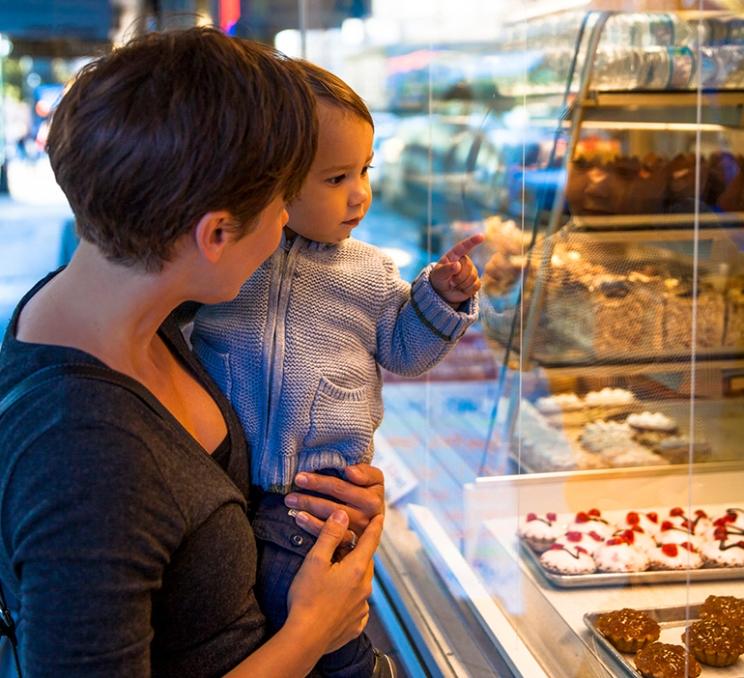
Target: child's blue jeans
[{"x": 282, "y": 547}]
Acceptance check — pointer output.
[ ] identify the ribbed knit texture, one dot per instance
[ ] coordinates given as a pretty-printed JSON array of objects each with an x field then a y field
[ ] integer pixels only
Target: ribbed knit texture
[{"x": 298, "y": 352}]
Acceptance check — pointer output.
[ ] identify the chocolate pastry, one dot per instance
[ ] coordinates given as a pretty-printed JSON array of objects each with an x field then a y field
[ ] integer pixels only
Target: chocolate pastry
[
  {"x": 682, "y": 182},
  {"x": 725, "y": 609},
  {"x": 662, "y": 660},
  {"x": 713, "y": 642},
  {"x": 724, "y": 168},
  {"x": 627, "y": 629},
  {"x": 732, "y": 197}
]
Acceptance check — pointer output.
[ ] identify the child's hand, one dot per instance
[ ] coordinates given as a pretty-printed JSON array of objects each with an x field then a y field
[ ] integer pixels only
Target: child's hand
[{"x": 455, "y": 277}]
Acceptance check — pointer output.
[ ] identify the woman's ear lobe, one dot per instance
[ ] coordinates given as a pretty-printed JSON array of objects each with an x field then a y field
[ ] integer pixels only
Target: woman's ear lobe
[{"x": 210, "y": 234}]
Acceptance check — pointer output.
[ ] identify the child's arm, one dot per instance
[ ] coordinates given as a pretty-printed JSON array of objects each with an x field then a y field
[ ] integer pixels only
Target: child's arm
[{"x": 417, "y": 324}]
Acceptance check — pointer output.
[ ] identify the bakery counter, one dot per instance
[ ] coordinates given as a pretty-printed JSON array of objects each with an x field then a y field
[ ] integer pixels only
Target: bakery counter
[{"x": 518, "y": 588}]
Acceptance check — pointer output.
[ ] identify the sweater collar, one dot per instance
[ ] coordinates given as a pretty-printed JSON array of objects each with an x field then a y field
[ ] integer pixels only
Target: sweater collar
[{"x": 306, "y": 244}]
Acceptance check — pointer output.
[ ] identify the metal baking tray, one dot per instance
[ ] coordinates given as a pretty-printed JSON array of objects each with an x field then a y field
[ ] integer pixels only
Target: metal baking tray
[
  {"x": 577, "y": 581},
  {"x": 672, "y": 621}
]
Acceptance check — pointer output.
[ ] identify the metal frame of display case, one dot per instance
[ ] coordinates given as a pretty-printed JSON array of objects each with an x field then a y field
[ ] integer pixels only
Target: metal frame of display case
[{"x": 588, "y": 106}]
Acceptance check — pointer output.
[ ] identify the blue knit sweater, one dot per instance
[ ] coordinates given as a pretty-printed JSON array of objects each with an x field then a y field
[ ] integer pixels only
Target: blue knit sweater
[{"x": 298, "y": 351}]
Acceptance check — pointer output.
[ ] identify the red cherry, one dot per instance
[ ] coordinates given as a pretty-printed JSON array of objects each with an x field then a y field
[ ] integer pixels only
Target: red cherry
[
  {"x": 582, "y": 517},
  {"x": 720, "y": 522},
  {"x": 580, "y": 549},
  {"x": 740, "y": 544},
  {"x": 720, "y": 534},
  {"x": 629, "y": 536},
  {"x": 615, "y": 541},
  {"x": 670, "y": 550},
  {"x": 651, "y": 515},
  {"x": 730, "y": 517},
  {"x": 632, "y": 518},
  {"x": 594, "y": 512},
  {"x": 552, "y": 517},
  {"x": 594, "y": 536},
  {"x": 573, "y": 536},
  {"x": 556, "y": 547},
  {"x": 676, "y": 511},
  {"x": 667, "y": 525},
  {"x": 689, "y": 547},
  {"x": 531, "y": 517},
  {"x": 701, "y": 514}
]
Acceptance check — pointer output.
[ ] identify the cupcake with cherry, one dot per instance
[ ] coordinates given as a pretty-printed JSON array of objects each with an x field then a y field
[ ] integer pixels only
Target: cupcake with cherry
[{"x": 540, "y": 530}]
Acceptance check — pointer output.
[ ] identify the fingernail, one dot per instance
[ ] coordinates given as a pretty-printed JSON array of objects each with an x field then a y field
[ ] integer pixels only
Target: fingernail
[
  {"x": 302, "y": 517},
  {"x": 301, "y": 479},
  {"x": 291, "y": 500},
  {"x": 338, "y": 517}
]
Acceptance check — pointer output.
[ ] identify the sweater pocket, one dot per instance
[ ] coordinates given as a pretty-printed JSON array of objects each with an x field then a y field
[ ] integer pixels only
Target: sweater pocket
[
  {"x": 214, "y": 362},
  {"x": 340, "y": 420}
]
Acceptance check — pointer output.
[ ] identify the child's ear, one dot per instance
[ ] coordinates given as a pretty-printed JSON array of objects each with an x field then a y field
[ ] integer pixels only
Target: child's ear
[{"x": 211, "y": 234}]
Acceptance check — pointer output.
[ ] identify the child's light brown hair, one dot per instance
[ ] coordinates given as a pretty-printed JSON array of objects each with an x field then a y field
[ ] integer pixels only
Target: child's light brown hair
[{"x": 330, "y": 88}]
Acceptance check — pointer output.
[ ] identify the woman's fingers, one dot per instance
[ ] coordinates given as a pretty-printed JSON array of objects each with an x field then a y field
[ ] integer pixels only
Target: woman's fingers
[
  {"x": 330, "y": 537},
  {"x": 364, "y": 475},
  {"x": 367, "y": 499}
]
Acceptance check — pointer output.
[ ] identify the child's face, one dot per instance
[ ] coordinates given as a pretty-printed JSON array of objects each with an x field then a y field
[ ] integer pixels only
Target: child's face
[{"x": 336, "y": 194}]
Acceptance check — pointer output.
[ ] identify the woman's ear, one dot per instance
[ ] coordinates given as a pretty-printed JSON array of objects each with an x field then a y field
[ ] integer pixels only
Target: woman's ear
[{"x": 212, "y": 233}]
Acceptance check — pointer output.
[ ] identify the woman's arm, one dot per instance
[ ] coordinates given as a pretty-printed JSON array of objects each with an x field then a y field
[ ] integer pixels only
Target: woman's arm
[
  {"x": 327, "y": 605},
  {"x": 361, "y": 496}
]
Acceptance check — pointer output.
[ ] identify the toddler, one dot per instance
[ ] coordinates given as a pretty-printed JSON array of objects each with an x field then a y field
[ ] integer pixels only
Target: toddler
[{"x": 299, "y": 351}]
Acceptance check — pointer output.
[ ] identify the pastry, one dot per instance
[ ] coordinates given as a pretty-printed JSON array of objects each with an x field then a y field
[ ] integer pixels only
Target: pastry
[
  {"x": 591, "y": 521},
  {"x": 684, "y": 181},
  {"x": 560, "y": 402},
  {"x": 609, "y": 397},
  {"x": 619, "y": 555},
  {"x": 678, "y": 309},
  {"x": 663, "y": 660},
  {"x": 600, "y": 435},
  {"x": 539, "y": 531},
  {"x": 632, "y": 455},
  {"x": 627, "y": 629},
  {"x": 674, "y": 533},
  {"x": 726, "y": 549},
  {"x": 725, "y": 609},
  {"x": 589, "y": 541},
  {"x": 714, "y": 643},
  {"x": 700, "y": 524},
  {"x": 676, "y": 450},
  {"x": 638, "y": 538},
  {"x": 682, "y": 556},
  {"x": 648, "y": 522},
  {"x": 567, "y": 560},
  {"x": 651, "y": 421},
  {"x": 732, "y": 197},
  {"x": 734, "y": 335},
  {"x": 627, "y": 316}
]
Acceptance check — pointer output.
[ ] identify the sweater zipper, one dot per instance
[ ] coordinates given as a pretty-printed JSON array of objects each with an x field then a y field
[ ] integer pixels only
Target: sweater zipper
[{"x": 281, "y": 283}]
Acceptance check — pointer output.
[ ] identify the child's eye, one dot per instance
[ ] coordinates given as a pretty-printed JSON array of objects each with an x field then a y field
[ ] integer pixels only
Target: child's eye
[
  {"x": 335, "y": 181},
  {"x": 366, "y": 169}
]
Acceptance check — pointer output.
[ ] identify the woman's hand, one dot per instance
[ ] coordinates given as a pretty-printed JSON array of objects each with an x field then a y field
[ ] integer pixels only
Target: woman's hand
[
  {"x": 327, "y": 604},
  {"x": 361, "y": 496},
  {"x": 329, "y": 599}
]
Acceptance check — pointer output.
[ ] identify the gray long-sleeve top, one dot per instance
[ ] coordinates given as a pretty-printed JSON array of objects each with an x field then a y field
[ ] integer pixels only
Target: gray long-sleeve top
[
  {"x": 125, "y": 549},
  {"x": 298, "y": 351}
]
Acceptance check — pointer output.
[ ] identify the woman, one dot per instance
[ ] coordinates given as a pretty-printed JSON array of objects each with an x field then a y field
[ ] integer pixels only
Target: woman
[{"x": 125, "y": 542}]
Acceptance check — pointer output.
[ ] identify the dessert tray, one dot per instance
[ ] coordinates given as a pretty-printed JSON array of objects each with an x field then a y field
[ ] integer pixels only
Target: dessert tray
[
  {"x": 672, "y": 621},
  {"x": 571, "y": 581}
]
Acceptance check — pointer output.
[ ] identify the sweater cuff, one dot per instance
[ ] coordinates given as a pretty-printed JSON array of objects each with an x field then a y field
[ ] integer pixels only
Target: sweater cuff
[{"x": 444, "y": 321}]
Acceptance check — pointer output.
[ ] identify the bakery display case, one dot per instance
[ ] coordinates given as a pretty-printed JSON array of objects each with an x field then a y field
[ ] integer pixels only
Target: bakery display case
[
  {"x": 594, "y": 482},
  {"x": 624, "y": 282}
]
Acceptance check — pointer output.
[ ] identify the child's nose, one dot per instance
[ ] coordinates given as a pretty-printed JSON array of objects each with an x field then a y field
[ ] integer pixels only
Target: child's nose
[{"x": 360, "y": 193}]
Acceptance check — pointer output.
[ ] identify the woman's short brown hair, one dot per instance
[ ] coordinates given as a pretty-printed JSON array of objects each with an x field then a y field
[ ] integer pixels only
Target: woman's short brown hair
[
  {"x": 331, "y": 89},
  {"x": 173, "y": 125}
]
